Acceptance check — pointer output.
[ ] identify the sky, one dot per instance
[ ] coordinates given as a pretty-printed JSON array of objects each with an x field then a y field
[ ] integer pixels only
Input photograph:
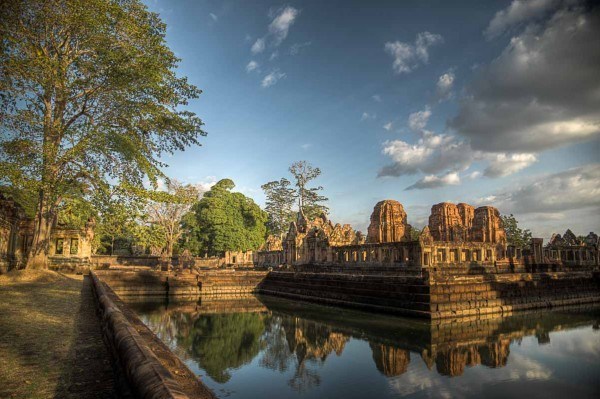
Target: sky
[{"x": 485, "y": 102}]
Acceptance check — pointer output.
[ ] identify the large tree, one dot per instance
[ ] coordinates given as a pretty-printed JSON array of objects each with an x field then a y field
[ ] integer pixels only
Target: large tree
[
  {"x": 166, "y": 210},
  {"x": 309, "y": 198},
  {"x": 229, "y": 221},
  {"x": 279, "y": 205},
  {"x": 118, "y": 213},
  {"x": 88, "y": 93},
  {"x": 514, "y": 234}
]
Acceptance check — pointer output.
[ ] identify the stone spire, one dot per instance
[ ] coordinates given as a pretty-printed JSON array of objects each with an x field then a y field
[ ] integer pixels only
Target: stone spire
[{"x": 388, "y": 223}]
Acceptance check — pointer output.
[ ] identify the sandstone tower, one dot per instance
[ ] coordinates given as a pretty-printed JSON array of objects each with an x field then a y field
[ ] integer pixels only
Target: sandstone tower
[{"x": 388, "y": 223}]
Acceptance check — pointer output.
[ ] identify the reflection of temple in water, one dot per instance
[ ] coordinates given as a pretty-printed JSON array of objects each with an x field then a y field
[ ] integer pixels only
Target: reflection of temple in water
[
  {"x": 390, "y": 361},
  {"x": 291, "y": 336}
]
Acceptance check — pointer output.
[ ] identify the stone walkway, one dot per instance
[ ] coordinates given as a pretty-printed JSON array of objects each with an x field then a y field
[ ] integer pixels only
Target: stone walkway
[{"x": 50, "y": 339}]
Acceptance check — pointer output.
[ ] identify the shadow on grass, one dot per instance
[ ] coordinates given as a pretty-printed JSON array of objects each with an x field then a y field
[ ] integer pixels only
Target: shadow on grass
[{"x": 91, "y": 373}]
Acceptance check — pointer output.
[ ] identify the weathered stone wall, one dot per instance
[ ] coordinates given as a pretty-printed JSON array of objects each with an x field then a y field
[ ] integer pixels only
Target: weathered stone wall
[
  {"x": 471, "y": 295},
  {"x": 217, "y": 283},
  {"x": 386, "y": 293},
  {"x": 436, "y": 296},
  {"x": 145, "y": 373},
  {"x": 149, "y": 261}
]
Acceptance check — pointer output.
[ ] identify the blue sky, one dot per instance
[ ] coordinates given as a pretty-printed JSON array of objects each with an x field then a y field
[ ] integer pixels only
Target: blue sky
[{"x": 481, "y": 102}]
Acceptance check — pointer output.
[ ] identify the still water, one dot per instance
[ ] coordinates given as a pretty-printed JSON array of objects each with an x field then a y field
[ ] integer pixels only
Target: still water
[{"x": 268, "y": 347}]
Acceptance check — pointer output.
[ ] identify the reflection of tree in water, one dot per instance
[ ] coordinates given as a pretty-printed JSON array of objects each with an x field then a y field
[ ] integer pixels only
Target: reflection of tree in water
[
  {"x": 222, "y": 341},
  {"x": 277, "y": 354},
  {"x": 306, "y": 343}
]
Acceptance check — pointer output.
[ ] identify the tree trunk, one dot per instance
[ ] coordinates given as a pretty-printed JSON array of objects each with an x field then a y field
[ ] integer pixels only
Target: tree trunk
[{"x": 37, "y": 257}]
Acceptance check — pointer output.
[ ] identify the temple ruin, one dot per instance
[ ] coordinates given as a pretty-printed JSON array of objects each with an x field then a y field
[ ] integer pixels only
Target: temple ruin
[
  {"x": 457, "y": 235},
  {"x": 68, "y": 248}
]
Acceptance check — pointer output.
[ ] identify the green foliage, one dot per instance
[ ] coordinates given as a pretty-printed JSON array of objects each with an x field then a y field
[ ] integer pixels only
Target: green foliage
[
  {"x": 309, "y": 198},
  {"x": 224, "y": 341},
  {"x": 118, "y": 213},
  {"x": 73, "y": 213},
  {"x": 190, "y": 236},
  {"x": 229, "y": 221},
  {"x": 88, "y": 95},
  {"x": 515, "y": 235},
  {"x": 414, "y": 234},
  {"x": 279, "y": 205},
  {"x": 166, "y": 209}
]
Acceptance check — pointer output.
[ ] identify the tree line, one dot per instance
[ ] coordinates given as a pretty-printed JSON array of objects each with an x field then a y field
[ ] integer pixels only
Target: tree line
[{"x": 179, "y": 218}]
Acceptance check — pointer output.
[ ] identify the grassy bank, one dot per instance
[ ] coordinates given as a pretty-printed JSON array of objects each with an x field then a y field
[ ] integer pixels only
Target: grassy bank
[{"x": 42, "y": 353}]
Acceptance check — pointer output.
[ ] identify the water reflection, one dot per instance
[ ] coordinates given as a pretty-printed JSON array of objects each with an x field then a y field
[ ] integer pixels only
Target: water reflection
[{"x": 304, "y": 345}]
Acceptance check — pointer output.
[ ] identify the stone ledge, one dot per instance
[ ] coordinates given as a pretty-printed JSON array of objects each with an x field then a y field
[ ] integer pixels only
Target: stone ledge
[{"x": 145, "y": 373}]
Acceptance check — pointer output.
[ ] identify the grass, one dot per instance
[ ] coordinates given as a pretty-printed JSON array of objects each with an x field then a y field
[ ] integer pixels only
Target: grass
[{"x": 38, "y": 311}]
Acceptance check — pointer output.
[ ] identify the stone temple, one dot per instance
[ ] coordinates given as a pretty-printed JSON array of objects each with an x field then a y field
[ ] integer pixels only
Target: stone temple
[{"x": 456, "y": 234}]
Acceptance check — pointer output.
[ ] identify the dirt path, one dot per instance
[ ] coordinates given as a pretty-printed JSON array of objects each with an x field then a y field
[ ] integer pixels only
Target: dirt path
[{"x": 50, "y": 339}]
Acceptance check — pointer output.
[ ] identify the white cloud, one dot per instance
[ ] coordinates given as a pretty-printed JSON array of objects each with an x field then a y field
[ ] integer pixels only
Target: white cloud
[
  {"x": 431, "y": 154},
  {"x": 418, "y": 120},
  {"x": 366, "y": 116},
  {"x": 273, "y": 55},
  {"x": 475, "y": 175},
  {"x": 423, "y": 42},
  {"x": 433, "y": 181},
  {"x": 252, "y": 66},
  {"x": 576, "y": 188},
  {"x": 541, "y": 92},
  {"x": 280, "y": 25},
  {"x": 272, "y": 78},
  {"x": 258, "y": 46},
  {"x": 517, "y": 13},
  {"x": 408, "y": 56},
  {"x": 306, "y": 146},
  {"x": 214, "y": 17},
  {"x": 297, "y": 47},
  {"x": 506, "y": 164},
  {"x": 388, "y": 126},
  {"x": 205, "y": 185},
  {"x": 444, "y": 85},
  {"x": 376, "y": 97}
]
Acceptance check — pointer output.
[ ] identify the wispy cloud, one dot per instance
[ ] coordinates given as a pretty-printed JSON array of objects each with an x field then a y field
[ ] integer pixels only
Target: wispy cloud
[
  {"x": 376, "y": 97},
  {"x": 518, "y": 12},
  {"x": 281, "y": 24},
  {"x": 214, "y": 17},
  {"x": 252, "y": 66},
  {"x": 296, "y": 48},
  {"x": 444, "y": 85},
  {"x": 418, "y": 120},
  {"x": 272, "y": 78},
  {"x": 503, "y": 164},
  {"x": 433, "y": 181},
  {"x": 366, "y": 116},
  {"x": 258, "y": 46},
  {"x": 388, "y": 126},
  {"x": 408, "y": 56}
]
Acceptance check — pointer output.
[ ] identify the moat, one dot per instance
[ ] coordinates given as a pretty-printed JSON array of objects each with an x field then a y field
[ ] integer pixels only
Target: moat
[{"x": 271, "y": 347}]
